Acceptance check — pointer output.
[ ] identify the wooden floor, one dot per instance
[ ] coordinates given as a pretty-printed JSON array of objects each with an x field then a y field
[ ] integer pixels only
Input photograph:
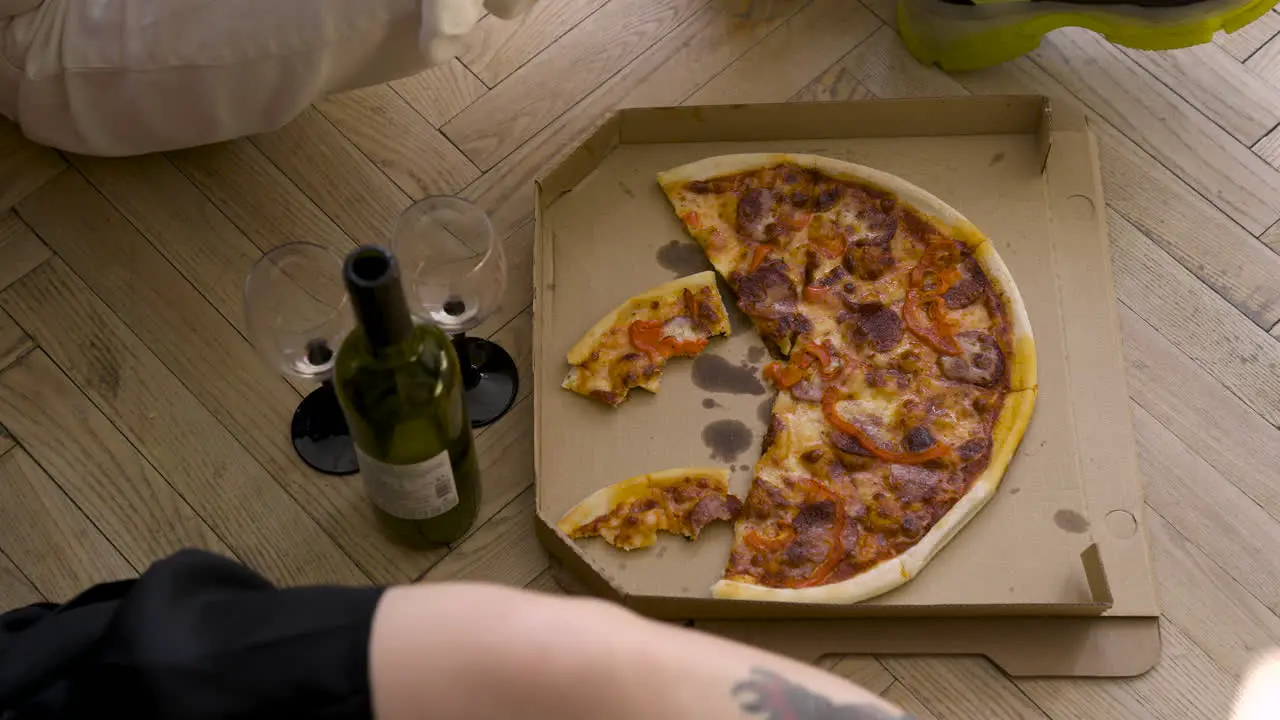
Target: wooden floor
[{"x": 137, "y": 419}]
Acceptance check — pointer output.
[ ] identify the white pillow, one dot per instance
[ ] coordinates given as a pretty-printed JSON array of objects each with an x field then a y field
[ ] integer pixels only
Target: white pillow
[{"x": 125, "y": 77}]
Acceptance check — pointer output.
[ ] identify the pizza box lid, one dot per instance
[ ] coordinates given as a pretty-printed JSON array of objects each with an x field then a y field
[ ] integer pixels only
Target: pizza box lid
[{"x": 1062, "y": 543}]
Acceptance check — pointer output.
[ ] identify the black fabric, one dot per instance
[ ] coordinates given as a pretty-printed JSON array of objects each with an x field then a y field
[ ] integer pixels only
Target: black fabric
[{"x": 197, "y": 636}]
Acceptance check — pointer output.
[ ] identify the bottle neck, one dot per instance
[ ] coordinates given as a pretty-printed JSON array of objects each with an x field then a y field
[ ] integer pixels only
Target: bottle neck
[{"x": 372, "y": 277}]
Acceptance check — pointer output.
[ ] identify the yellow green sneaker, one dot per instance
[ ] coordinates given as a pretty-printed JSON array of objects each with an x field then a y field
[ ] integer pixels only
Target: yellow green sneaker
[{"x": 972, "y": 34}]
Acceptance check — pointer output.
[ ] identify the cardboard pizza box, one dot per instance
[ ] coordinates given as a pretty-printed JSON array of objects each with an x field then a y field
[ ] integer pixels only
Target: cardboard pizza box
[{"x": 1059, "y": 556}]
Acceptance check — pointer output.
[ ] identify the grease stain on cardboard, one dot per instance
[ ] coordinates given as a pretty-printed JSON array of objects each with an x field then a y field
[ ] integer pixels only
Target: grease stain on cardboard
[
  {"x": 1071, "y": 521},
  {"x": 727, "y": 439},
  {"x": 683, "y": 258},
  {"x": 717, "y": 375}
]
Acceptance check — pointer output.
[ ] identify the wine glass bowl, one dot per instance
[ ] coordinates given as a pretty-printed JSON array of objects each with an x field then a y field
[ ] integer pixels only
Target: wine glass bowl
[
  {"x": 455, "y": 273},
  {"x": 297, "y": 315},
  {"x": 455, "y": 270},
  {"x": 296, "y": 310}
]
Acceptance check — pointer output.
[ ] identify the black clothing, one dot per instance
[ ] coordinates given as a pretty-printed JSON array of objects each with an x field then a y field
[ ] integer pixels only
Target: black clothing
[{"x": 197, "y": 636}]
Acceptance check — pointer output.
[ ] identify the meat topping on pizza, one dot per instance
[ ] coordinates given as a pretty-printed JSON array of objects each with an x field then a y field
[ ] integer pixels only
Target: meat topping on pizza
[
  {"x": 629, "y": 346},
  {"x": 893, "y": 360},
  {"x": 629, "y": 514}
]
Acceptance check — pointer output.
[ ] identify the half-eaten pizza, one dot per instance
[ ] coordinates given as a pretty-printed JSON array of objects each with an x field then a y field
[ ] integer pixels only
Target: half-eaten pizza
[{"x": 904, "y": 363}]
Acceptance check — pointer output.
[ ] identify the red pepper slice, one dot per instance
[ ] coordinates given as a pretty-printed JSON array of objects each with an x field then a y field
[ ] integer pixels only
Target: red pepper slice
[
  {"x": 832, "y": 414},
  {"x": 836, "y": 554},
  {"x": 837, "y": 366},
  {"x": 757, "y": 257},
  {"x": 937, "y": 256},
  {"x": 933, "y": 328},
  {"x": 760, "y": 541},
  {"x": 818, "y": 295},
  {"x": 646, "y": 336},
  {"x": 690, "y": 219},
  {"x": 819, "y": 352},
  {"x": 671, "y": 346},
  {"x": 783, "y": 376},
  {"x": 797, "y": 221}
]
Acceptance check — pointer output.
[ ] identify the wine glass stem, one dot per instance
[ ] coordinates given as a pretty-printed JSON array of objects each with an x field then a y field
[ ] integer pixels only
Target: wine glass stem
[{"x": 470, "y": 374}]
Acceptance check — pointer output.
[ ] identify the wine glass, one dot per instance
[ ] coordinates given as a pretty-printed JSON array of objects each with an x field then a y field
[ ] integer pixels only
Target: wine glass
[
  {"x": 297, "y": 313},
  {"x": 455, "y": 273}
]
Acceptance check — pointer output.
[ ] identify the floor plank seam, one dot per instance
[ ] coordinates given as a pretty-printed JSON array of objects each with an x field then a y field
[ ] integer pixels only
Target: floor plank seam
[
  {"x": 1260, "y": 140},
  {"x": 24, "y": 575},
  {"x": 1262, "y": 602},
  {"x": 195, "y": 397},
  {"x": 338, "y": 129},
  {"x": 486, "y": 85},
  {"x": 7, "y": 444},
  {"x": 1138, "y": 144},
  {"x": 799, "y": 9},
  {"x": 1261, "y": 45},
  {"x": 1194, "y": 106},
  {"x": 31, "y": 347},
  {"x": 142, "y": 456},
  {"x": 244, "y": 231},
  {"x": 88, "y": 518},
  {"x": 533, "y": 57},
  {"x": 158, "y": 247},
  {"x": 253, "y": 142},
  {"x": 1139, "y": 226},
  {"x": 1154, "y": 242},
  {"x": 1197, "y": 363},
  {"x": 581, "y": 100}
]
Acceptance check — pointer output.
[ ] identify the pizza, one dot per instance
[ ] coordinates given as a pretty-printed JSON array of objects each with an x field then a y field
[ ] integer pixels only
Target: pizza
[
  {"x": 629, "y": 514},
  {"x": 629, "y": 346},
  {"x": 903, "y": 359}
]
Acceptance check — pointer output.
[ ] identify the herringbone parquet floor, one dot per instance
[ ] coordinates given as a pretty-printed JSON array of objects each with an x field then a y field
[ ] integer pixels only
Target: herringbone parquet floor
[{"x": 136, "y": 418}]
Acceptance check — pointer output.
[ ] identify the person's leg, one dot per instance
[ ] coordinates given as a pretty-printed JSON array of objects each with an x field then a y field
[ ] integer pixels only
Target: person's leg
[{"x": 123, "y": 77}]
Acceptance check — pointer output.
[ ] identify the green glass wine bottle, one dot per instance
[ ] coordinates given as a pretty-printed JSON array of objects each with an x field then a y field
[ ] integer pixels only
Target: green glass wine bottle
[{"x": 401, "y": 390}]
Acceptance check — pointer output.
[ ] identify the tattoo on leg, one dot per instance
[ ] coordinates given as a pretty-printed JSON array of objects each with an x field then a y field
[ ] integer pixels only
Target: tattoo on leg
[{"x": 766, "y": 695}]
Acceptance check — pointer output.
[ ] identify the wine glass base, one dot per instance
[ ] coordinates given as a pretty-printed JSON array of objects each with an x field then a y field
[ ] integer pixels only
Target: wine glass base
[
  {"x": 493, "y": 382},
  {"x": 320, "y": 434}
]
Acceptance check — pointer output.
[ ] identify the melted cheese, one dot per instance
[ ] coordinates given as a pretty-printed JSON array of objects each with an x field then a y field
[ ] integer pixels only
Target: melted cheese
[
  {"x": 615, "y": 364},
  {"x": 879, "y": 523}
]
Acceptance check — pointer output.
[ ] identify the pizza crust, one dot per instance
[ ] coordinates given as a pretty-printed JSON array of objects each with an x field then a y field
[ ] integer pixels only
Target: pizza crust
[
  {"x": 582, "y": 349},
  {"x": 603, "y": 500},
  {"x": 947, "y": 218},
  {"x": 1006, "y": 434},
  {"x": 1022, "y": 369},
  {"x": 878, "y": 580}
]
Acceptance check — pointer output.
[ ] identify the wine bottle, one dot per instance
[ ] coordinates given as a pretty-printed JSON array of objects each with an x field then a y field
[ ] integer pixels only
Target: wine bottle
[{"x": 401, "y": 390}]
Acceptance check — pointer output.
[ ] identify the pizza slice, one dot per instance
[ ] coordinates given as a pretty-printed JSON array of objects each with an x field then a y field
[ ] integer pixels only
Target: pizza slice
[
  {"x": 629, "y": 346},
  {"x": 753, "y": 228},
  {"x": 629, "y": 514}
]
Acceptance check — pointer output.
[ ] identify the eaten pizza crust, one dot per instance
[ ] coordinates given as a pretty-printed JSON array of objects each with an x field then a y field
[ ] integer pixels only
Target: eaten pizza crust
[
  {"x": 630, "y": 513},
  {"x": 596, "y": 356}
]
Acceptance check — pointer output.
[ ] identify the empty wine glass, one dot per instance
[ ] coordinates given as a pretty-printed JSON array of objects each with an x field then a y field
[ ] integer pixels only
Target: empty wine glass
[
  {"x": 455, "y": 273},
  {"x": 297, "y": 314}
]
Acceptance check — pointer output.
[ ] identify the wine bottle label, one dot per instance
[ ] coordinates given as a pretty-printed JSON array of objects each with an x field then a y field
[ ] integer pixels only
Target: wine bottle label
[{"x": 410, "y": 492}]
